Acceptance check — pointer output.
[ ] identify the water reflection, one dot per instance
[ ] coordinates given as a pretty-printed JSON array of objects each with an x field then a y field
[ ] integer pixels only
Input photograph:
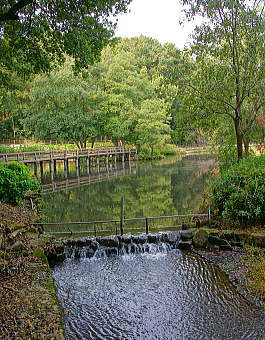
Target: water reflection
[{"x": 167, "y": 187}]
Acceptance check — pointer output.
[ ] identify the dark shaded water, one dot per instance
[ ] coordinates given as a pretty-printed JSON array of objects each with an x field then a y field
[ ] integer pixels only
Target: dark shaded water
[{"x": 162, "y": 295}]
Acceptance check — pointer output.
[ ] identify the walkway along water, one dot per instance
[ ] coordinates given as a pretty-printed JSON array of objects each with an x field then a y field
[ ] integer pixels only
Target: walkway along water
[{"x": 52, "y": 156}]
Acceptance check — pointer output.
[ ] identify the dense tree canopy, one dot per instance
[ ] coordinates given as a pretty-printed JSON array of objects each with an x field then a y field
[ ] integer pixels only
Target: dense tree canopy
[{"x": 34, "y": 33}]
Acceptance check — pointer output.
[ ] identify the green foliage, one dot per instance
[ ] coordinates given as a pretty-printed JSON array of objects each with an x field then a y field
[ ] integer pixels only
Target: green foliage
[
  {"x": 15, "y": 181},
  {"x": 225, "y": 84},
  {"x": 35, "y": 34},
  {"x": 19, "y": 168},
  {"x": 65, "y": 107},
  {"x": 239, "y": 192}
]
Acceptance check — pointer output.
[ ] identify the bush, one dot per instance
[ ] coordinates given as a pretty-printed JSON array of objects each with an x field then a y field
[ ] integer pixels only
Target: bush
[
  {"x": 15, "y": 181},
  {"x": 239, "y": 192}
]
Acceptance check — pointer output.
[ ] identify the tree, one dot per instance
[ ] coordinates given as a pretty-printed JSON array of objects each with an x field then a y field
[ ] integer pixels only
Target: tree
[
  {"x": 228, "y": 76},
  {"x": 133, "y": 82},
  {"x": 152, "y": 127},
  {"x": 64, "y": 106},
  {"x": 34, "y": 33}
]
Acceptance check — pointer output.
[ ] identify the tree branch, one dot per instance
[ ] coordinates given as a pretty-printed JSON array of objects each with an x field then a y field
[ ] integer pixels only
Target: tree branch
[{"x": 12, "y": 13}]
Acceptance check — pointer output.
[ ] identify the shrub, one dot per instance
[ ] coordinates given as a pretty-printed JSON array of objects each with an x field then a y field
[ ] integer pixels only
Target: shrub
[
  {"x": 15, "y": 181},
  {"x": 239, "y": 192}
]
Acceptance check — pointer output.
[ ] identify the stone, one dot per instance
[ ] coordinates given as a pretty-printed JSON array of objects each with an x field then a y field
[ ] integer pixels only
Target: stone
[
  {"x": 200, "y": 239},
  {"x": 108, "y": 241},
  {"x": 185, "y": 245},
  {"x": 152, "y": 238},
  {"x": 139, "y": 239},
  {"x": 217, "y": 240},
  {"x": 126, "y": 239},
  {"x": 186, "y": 235},
  {"x": 18, "y": 246},
  {"x": 172, "y": 237}
]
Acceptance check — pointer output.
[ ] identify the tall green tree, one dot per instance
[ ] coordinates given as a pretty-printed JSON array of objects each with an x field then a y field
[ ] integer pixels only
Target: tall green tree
[
  {"x": 35, "y": 33},
  {"x": 131, "y": 95},
  {"x": 228, "y": 78},
  {"x": 65, "y": 107}
]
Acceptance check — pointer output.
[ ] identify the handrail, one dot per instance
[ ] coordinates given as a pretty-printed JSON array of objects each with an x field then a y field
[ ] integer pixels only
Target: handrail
[
  {"x": 30, "y": 155},
  {"x": 125, "y": 220}
]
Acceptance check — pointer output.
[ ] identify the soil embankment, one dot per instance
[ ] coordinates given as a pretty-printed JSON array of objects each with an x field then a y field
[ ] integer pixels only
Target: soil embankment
[{"x": 29, "y": 308}]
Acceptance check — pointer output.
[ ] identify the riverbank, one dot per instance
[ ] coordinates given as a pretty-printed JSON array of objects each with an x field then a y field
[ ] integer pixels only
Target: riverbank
[
  {"x": 29, "y": 307},
  {"x": 240, "y": 267}
]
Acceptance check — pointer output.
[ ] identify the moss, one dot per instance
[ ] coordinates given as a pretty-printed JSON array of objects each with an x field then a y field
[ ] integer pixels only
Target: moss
[
  {"x": 39, "y": 253},
  {"x": 256, "y": 278}
]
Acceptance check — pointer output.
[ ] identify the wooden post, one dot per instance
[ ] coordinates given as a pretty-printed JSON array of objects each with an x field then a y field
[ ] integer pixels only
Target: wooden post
[
  {"x": 41, "y": 168},
  {"x": 209, "y": 216},
  {"x": 95, "y": 230},
  {"x": 50, "y": 167},
  {"x": 122, "y": 215},
  {"x": 88, "y": 164},
  {"x": 65, "y": 167},
  {"x": 35, "y": 169},
  {"x": 107, "y": 161},
  {"x": 146, "y": 226},
  {"x": 97, "y": 163},
  {"x": 54, "y": 166}
]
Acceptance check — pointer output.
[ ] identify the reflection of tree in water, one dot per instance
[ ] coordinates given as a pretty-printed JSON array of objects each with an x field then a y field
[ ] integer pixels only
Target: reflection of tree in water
[
  {"x": 189, "y": 182},
  {"x": 169, "y": 188}
]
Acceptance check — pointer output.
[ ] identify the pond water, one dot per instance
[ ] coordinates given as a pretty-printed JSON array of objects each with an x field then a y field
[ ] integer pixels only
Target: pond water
[
  {"x": 162, "y": 295},
  {"x": 168, "y": 187},
  {"x": 159, "y": 295}
]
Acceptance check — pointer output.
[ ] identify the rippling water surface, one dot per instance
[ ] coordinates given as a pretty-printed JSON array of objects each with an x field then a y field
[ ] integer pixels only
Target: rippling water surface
[{"x": 170, "y": 295}]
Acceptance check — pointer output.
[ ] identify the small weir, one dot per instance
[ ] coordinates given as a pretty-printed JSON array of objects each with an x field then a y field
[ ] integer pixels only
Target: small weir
[{"x": 145, "y": 287}]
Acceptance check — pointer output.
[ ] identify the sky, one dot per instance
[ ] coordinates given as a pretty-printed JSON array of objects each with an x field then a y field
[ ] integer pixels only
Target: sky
[{"x": 155, "y": 18}]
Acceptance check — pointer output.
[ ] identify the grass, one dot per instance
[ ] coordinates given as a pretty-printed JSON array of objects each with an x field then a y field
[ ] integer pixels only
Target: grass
[{"x": 256, "y": 276}]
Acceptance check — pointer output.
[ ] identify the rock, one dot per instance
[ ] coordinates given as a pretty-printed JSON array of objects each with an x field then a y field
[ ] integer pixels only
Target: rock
[
  {"x": 217, "y": 240},
  {"x": 18, "y": 246},
  {"x": 108, "y": 241},
  {"x": 172, "y": 237},
  {"x": 17, "y": 232},
  {"x": 126, "y": 239},
  {"x": 139, "y": 239},
  {"x": 186, "y": 235},
  {"x": 152, "y": 238},
  {"x": 185, "y": 245},
  {"x": 258, "y": 240},
  {"x": 200, "y": 239}
]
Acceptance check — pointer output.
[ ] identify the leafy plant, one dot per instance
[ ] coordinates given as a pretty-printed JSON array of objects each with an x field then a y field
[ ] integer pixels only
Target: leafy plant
[
  {"x": 239, "y": 192},
  {"x": 15, "y": 181}
]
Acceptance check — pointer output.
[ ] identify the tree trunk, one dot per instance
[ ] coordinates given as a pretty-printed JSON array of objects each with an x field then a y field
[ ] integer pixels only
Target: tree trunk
[
  {"x": 93, "y": 142},
  {"x": 246, "y": 146},
  {"x": 239, "y": 139}
]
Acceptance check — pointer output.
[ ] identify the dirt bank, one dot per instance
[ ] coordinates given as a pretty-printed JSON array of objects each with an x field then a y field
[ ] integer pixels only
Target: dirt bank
[{"x": 29, "y": 309}]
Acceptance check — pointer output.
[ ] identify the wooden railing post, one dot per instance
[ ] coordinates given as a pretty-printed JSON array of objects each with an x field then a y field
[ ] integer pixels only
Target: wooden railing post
[
  {"x": 146, "y": 226},
  {"x": 122, "y": 215}
]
